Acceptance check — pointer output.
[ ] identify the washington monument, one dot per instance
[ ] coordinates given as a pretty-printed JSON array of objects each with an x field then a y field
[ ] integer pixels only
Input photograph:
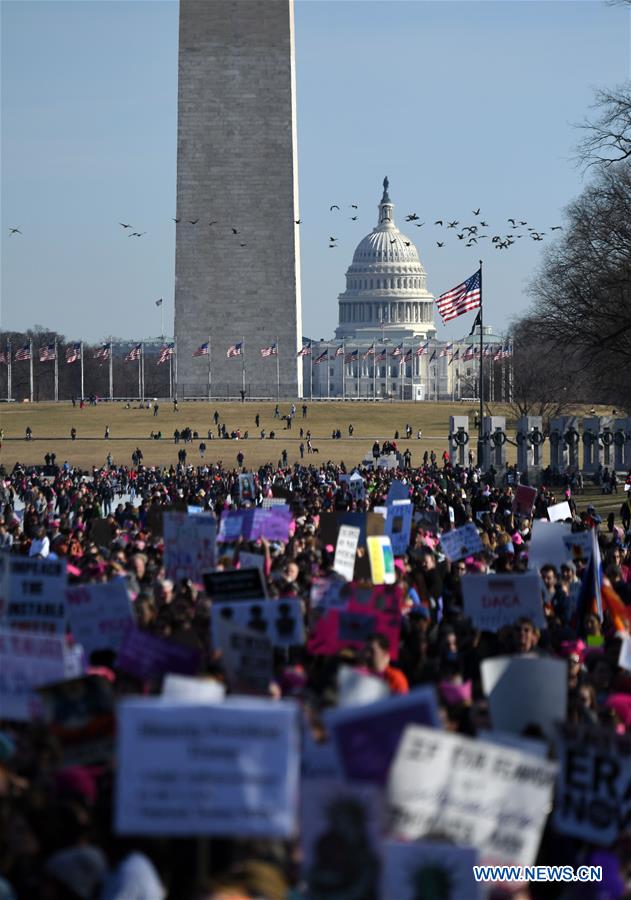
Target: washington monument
[{"x": 237, "y": 263}]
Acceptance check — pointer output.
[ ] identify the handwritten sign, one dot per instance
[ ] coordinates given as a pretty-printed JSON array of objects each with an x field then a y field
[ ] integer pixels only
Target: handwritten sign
[
  {"x": 461, "y": 542},
  {"x": 279, "y": 620},
  {"x": 493, "y": 601},
  {"x": 28, "y": 661},
  {"x": 346, "y": 551},
  {"x": 189, "y": 545},
  {"x": 32, "y": 594},
  {"x": 253, "y": 524},
  {"x": 99, "y": 614}
]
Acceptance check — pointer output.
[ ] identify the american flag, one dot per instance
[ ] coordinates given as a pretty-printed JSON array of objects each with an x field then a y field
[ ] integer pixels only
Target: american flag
[
  {"x": 73, "y": 353},
  {"x": 446, "y": 350},
  {"x": 47, "y": 353},
  {"x": 423, "y": 349},
  {"x": 23, "y": 353},
  {"x": 352, "y": 356},
  {"x": 306, "y": 350},
  {"x": 456, "y": 355},
  {"x": 381, "y": 356},
  {"x": 469, "y": 352},
  {"x": 461, "y": 298},
  {"x": 369, "y": 352},
  {"x": 202, "y": 350},
  {"x": 499, "y": 354},
  {"x": 166, "y": 353},
  {"x": 432, "y": 357},
  {"x": 323, "y": 357},
  {"x": 234, "y": 350},
  {"x": 398, "y": 351},
  {"x": 134, "y": 353},
  {"x": 103, "y": 352},
  {"x": 5, "y": 356},
  {"x": 408, "y": 356},
  {"x": 340, "y": 350},
  {"x": 272, "y": 350},
  {"x": 489, "y": 350}
]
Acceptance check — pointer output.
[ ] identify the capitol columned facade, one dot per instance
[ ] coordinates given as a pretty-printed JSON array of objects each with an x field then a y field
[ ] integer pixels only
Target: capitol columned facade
[{"x": 385, "y": 343}]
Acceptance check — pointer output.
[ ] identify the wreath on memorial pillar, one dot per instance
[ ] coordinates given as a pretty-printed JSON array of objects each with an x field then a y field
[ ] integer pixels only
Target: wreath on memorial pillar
[{"x": 571, "y": 437}]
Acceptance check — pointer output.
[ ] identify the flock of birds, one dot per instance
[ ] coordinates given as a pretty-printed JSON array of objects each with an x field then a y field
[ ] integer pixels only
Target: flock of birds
[{"x": 470, "y": 234}]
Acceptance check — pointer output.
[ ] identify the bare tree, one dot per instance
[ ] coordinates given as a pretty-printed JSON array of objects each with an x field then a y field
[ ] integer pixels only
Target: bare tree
[{"x": 607, "y": 138}]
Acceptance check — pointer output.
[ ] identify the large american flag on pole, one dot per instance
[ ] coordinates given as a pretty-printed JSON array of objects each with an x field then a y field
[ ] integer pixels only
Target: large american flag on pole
[
  {"x": 47, "y": 353},
  {"x": 5, "y": 356},
  {"x": 23, "y": 353},
  {"x": 73, "y": 353},
  {"x": 133, "y": 354},
  {"x": 462, "y": 298},
  {"x": 340, "y": 350},
  {"x": 422, "y": 349},
  {"x": 165, "y": 354},
  {"x": 306, "y": 350},
  {"x": 234, "y": 350},
  {"x": 272, "y": 350},
  {"x": 202, "y": 350},
  {"x": 103, "y": 352}
]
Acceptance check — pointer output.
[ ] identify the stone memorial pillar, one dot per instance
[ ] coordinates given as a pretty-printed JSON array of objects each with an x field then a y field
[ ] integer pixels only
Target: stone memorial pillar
[
  {"x": 458, "y": 439},
  {"x": 591, "y": 443},
  {"x": 494, "y": 443},
  {"x": 529, "y": 443},
  {"x": 622, "y": 444}
]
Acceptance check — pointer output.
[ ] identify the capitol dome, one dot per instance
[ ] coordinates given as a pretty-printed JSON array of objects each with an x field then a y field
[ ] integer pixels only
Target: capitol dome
[{"x": 386, "y": 285}]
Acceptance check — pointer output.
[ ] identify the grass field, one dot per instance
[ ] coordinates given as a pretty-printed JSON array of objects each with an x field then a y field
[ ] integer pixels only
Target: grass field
[{"x": 130, "y": 428}]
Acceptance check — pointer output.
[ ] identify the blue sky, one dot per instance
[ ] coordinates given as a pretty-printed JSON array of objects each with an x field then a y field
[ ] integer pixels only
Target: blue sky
[{"x": 461, "y": 104}]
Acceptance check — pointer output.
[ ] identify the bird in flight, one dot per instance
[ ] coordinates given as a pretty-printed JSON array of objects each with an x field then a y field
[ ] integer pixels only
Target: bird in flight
[
  {"x": 484, "y": 224},
  {"x": 393, "y": 241},
  {"x": 243, "y": 245},
  {"x": 523, "y": 223},
  {"x": 439, "y": 244},
  {"x": 214, "y": 222},
  {"x": 354, "y": 218},
  {"x": 332, "y": 238},
  {"x": 137, "y": 233},
  {"x": 512, "y": 221},
  {"x": 234, "y": 231},
  {"x": 460, "y": 237},
  {"x": 193, "y": 221},
  {"x": 354, "y": 206},
  {"x": 177, "y": 222},
  {"x": 411, "y": 217},
  {"x": 419, "y": 224},
  {"x": 476, "y": 212},
  {"x": 438, "y": 222},
  {"x": 125, "y": 226},
  {"x": 298, "y": 221},
  {"x": 335, "y": 206},
  {"x": 332, "y": 246},
  {"x": 453, "y": 224},
  {"x": 408, "y": 243},
  {"x": 14, "y": 231},
  {"x": 556, "y": 228}
]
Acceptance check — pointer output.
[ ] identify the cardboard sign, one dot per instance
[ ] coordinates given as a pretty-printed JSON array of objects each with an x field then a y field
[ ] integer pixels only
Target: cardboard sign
[
  {"x": 398, "y": 491},
  {"x": 357, "y": 688},
  {"x": 593, "y": 801},
  {"x": 461, "y": 542},
  {"x": 32, "y": 594},
  {"x": 624, "y": 659},
  {"x": 247, "y": 490},
  {"x": 247, "y": 657},
  {"x": 80, "y": 714},
  {"x": 381, "y": 559},
  {"x": 524, "y": 500},
  {"x": 399, "y": 525},
  {"x": 427, "y": 519},
  {"x": 200, "y": 690},
  {"x": 235, "y": 584},
  {"x": 357, "y": 486},
  {"x": 189, "y": 545},
  {"x": 253, "y": 524},
  {"x": 340, "y": 837},
  {"x": 474, "y": 793},
  {"x": 428, "y": 869},
  {"x": 280, "y": 621},
  {"x": 367, "y": 737},
  {"x": 346, "y": 551},
  {"x": 28, "y": 661},
  {"x": 554, "y": 543},
  {"x": 146, "y": 656},
  {"x": 493, "y": 601},
  {"x": 365, "y": 611},
  {"x": 559, "y": 512},
  {"x": 99, "y": 614},
  {"x": 190, "y": 769},
  {"x": 252, "y": 561},
  {"x": 539, "y": 682}
]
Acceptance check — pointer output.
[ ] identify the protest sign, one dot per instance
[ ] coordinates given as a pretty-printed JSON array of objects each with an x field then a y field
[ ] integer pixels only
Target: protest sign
[
  {"x": 28, "y": 661},
  {"x": 101, "y": 532},
  {"x": 398, "y": 491},
  {"x": 146, "y": 656},
  {"x": 624, "y": 658},
  {"x": 79, "y": 712},
  {"x": 99, "y": 614},
  {"x": 280, "y": 621},
  {"x": 428, "y": 869},
  {"x": 529, "y": 745},
  {"x": 559, "y": 512},
  {"x": 493, "y": 601},
  {"x": 247, "y": 657},
  {"x": 246, "y": 487},
  {"x": 367, "y": 737},
  {"x": 340, "y": 837},
  {"x": 357, "y": 486},
  {"x": 381, "y": 559},
  {"x": 189, "y": 545},
  {"x": 346, "y": 551},
  {"x": 399, "y": 525},
  {"x": 426, "y": 519},
  {"x": 252, "y": 561},
  {"x": 325, "y": 594},
  {"x": 593, "y": 796},
  {"x": 524, "y": 500},
  {"x": 365, "y": 611},
  {"x": 461, "y": 542},
  {"x": 252, "y": 524},
  {"x": 539, "y": 682},
  {"x": 268, "y": 502},
  {"x": 473, "y": 793},
  {"x": 357, "y": 688},
  {"x": 201, "y": 690},
  {"x": 318, "y": 759},
  {"x": 578, "y": 545},
  {"x": 235, "y": 584},
  {"x": 194, "y": 769},
  {"x": 32, "y": 594},
  {"x": 554, "y": 543}
]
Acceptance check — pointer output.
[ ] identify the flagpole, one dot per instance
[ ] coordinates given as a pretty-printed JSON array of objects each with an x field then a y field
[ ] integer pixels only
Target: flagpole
[
  {"x": 171, "y": 374},
  {"x": 139, "y": 378},
  {"x": 328, "y": 375},
  {"x": 343, "y": 370},
  {"x": 31, "y": 368},
  {"x": 402, "y": 369},
  {"x": 56, "y": 373},
  {"x": 359, "y": 376},
  {"x": 162, "y": 318},
  {"x": 111, "y": 367},
  {"x": 242, "y": 364},
  {"x": 277, "y": 372},
  {"x": 374, "y": 373},
  {"x": 81, "y": 361},
  {"x": 310, "y": 373},
  {"x": 175, "y": 385},
  {"x": 209, "y": 375},
  {"x": 480, "y": 452},
  {"x": 9, "y": 371}
]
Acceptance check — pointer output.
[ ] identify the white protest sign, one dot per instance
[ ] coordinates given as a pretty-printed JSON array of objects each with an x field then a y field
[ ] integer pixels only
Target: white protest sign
[
  {"x": 357, "y": 486},
  {"x": 198, "y": 769},
  {"x": 269, "y": 502},
  {"x": 624, "y": 659},
  {"x": 99, "y": 614},
  {"x": 279, "y": 620},
  {"x": 559, "y": 512},
  {"x": 427, "y": 868},
  {"x": 346, "y": 550},
  {"x": 474, "y": 793},
  {"x": 461, "y": 542},
  {"x": 593, "y": 797},
  {"x": 32, "y": 594},
  {"x": 356, "y": 688},
  {"x": 247, "y": 658},
  {"x": 200, "y": 690},
  {"x": 493, "y": 601},
  {"x": 252, "y": 561},
  {"x": 28, "y": 661},
  {"x": 554, "y": 543},
  {"x": 539, "y": 682},
  {"x": 189, "y": 545}
]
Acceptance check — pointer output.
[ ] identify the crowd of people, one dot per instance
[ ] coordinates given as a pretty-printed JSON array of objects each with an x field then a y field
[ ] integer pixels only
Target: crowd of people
[{"x": 56, "y": 835}]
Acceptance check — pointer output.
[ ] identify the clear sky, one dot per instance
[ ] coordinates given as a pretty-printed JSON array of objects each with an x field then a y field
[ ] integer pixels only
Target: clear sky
[{"x": 462, "y": 104}]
